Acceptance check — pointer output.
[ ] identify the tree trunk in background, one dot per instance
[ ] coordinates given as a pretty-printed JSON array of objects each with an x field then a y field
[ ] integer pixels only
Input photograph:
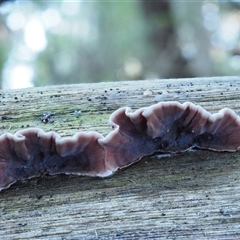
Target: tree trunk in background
[
  {"x": 192, "y": 38},
  {"x": 168, "y": 59}
]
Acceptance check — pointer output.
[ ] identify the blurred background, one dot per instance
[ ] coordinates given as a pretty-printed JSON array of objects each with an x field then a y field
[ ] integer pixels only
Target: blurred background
[{"x": 62, "y": 42}]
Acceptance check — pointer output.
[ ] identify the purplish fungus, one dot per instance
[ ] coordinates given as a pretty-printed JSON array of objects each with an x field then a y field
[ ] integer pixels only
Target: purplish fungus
[{"x": 166, "y": 127}]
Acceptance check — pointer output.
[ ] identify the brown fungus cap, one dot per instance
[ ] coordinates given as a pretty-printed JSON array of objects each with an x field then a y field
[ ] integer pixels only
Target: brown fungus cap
[{"x": 166, "y": 127}]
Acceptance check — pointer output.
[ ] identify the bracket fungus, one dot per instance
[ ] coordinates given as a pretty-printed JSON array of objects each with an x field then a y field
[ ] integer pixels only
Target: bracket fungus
[{"x": 166, "y": 127}]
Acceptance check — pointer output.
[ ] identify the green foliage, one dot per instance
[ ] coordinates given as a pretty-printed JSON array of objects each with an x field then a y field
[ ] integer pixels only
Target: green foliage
[
  {"x": 5, "y": 46},
  {"x": 107, "y": 40}
]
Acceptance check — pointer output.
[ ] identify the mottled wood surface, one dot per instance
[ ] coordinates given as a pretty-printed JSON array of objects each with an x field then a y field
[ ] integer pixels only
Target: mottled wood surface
[{"x": 195, "y": 195}]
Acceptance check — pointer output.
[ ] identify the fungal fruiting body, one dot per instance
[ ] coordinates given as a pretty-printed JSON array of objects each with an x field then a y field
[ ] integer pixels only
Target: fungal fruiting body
[{"x": 166, "y": 127}]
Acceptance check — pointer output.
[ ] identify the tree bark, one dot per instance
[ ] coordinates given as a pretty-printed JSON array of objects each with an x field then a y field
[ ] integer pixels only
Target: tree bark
[{"x": 191, "y": 195}]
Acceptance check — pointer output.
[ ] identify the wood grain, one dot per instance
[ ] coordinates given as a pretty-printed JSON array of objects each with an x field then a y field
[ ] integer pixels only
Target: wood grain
[{"x": 185, "y": 196}]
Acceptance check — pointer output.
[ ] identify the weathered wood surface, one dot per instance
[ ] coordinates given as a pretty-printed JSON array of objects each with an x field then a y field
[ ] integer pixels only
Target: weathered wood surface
[{"x": 194, "y": 195}]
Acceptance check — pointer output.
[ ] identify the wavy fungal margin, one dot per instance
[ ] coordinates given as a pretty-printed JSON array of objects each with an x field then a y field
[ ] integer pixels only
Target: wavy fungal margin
[{"x": 166, "y": 127}]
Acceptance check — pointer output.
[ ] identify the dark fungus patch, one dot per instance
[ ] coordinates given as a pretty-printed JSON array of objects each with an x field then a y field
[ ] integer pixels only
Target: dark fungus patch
[
  {"x": 166, "y": 127},
  {"x": 5, "y": 117},
  {"x": 47, "y": 117}
]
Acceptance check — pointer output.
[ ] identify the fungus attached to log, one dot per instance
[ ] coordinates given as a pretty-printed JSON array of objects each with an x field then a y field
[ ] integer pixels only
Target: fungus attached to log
[{"x": 167, "y": 127}]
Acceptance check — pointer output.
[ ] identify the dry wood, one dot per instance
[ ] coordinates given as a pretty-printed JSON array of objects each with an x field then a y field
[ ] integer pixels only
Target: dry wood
[{"x": 185, "y": 196}]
